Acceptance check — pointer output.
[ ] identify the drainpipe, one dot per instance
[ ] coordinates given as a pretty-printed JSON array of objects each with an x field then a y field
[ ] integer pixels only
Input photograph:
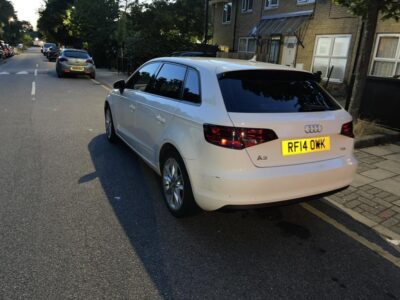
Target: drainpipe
[
  {"x": 353, "y": 76},
  {"x": 234, "y": 24},
  {"x": 205, "y": 22}
]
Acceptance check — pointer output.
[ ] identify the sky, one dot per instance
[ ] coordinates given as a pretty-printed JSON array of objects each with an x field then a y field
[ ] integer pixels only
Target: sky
[{"x": 27, "y": 10}]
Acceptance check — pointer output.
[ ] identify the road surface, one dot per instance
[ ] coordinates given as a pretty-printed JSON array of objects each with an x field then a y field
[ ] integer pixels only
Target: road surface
[{"x": 80, "y": 218}]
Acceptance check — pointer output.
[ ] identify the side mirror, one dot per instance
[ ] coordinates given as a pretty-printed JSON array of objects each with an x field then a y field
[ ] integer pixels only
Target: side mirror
[{"x": 120, "y": 85}]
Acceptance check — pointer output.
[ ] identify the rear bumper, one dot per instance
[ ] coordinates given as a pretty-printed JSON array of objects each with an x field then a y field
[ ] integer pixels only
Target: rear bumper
[
  {"x": 86, "y": 70},
  {"x": 269, "y": 185}
]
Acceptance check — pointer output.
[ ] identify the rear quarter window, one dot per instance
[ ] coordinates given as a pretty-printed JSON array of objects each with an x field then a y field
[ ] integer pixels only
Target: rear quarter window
[
  {"x": 271, "y": 91},
  {"x": 169, "y": 81},
  {"x": 191, "y": 89}
]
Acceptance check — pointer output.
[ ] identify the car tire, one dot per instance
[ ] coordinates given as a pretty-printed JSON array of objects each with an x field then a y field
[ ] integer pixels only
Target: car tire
[
  {"x": 176, "y": 187},
  {"x": 109, "y": 124},
  {"x": 93, "y": 75}
]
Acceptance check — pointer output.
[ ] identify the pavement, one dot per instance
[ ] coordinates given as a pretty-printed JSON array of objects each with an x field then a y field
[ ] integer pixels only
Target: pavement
[
  {"x": 81, "y": 218},
  {"x": 374, "y": 196}
]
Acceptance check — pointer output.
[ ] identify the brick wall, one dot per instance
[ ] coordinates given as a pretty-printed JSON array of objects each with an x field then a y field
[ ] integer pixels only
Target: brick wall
[
  {"x": 246, "y": 21},
  {"x": 329, "y": 19},
  {"x": 223, "y": 33}
]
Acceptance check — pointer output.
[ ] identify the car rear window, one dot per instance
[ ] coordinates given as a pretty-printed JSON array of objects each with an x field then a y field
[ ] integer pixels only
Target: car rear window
[
  {"x": 267, "y": 91},
  {"x": 76, "y": 54}
]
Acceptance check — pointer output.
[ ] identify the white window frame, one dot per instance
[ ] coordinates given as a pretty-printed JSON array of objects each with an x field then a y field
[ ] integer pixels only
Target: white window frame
[
  {"x": 268, "y": 4},
  {"x": 223, "y": 13},
  {"x": 333, "y": 36},
  {"x": 395, "y": 60},
  {"x": 246, "y": 4},
  {"x": 247, "y": 44},
  {"x": 300, "y": 2}
]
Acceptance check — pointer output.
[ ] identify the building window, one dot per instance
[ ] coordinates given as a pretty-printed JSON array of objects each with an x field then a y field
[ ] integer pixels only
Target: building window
[
  {"x": 247, "y": 5},
  {"x": 305, "y": 1},
  {"x": 271, "y": 4},
  {"x": 247, "y": 44},
  {"x": 227, "y": 13},
  {"x": 386, "y": 59},
  {"x": 331, "y": 51}
]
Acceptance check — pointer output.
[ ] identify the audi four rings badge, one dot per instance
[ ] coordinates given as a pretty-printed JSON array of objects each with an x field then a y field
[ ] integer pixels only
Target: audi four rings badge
[{"x": 313, "y": 128}]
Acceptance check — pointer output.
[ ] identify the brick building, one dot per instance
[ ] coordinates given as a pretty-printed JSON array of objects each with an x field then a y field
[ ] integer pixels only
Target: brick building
[{"x": 313, "y": 35}]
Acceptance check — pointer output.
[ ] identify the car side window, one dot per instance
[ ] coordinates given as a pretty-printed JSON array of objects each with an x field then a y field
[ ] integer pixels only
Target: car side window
[
  {"x": 191, "y": 90},
  {"x": 141, "y": 78},
  {"x": 169, "y": 81}
]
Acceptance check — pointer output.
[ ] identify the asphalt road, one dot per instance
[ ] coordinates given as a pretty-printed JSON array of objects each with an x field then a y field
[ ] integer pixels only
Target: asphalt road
[{"x": 80, "y": 218}]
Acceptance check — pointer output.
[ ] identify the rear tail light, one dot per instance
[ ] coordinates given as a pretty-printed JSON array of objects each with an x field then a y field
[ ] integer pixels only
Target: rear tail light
[
  {"x": 63, "y": 59},
  {"x": 347, "y": 129},
  {"x": 237, "y": 138},
  {"x": 90, "y": 61}
]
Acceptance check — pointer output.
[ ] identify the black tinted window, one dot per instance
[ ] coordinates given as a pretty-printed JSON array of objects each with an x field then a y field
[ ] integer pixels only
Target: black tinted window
[
  {"x": 76, "y": 54},
  {"x": 273, "y": 91},
  {"x": 191, "y": 90},
  {"x": 169, "y": 81},
  {"x": 140, "y": 79}
]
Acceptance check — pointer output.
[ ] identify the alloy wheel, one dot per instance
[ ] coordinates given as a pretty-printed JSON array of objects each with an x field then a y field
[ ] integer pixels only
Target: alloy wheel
[
  {"x": 173, "y": 184},
  {"x": 108, "y": 123}
]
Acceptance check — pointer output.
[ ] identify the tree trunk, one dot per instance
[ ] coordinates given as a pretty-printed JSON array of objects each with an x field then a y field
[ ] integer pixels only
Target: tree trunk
[{"x": 361, "y": 72}]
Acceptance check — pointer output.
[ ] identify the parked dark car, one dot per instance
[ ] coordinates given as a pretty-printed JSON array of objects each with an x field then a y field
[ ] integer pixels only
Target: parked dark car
[
  {"x": 46, "y": 48},
  {"x": 53, "y": 53}
]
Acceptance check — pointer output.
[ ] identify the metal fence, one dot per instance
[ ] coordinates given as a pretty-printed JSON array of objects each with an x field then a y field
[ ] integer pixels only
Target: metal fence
[{"x": 381, "y": 102}]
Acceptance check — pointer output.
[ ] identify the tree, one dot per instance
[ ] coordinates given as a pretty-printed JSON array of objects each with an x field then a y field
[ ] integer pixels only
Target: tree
[
  {"x": 51, "y": 21},
  {"x": 369, "y": 11}
]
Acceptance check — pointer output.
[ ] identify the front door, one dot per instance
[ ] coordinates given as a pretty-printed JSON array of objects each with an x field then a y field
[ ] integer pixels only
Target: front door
[{"x": 289, "y": 51}]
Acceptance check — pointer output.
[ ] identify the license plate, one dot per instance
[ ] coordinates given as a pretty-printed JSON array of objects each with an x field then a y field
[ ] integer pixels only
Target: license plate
[
  {"x": 303, "y": 146},
  {"x": 80, "y": 69}
]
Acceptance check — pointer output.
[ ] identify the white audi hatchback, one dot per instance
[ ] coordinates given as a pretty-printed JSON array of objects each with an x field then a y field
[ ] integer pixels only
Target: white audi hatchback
[{"x": 224, "y": 132}]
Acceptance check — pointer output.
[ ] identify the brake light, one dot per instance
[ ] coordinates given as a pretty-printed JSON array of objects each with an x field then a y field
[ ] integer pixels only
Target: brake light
[
  {"x": 90, "y": 61},
  {"x": 237, "y": 138},
  {"x": 347, "y": 129},
  {"x": 63, "y": 59}
]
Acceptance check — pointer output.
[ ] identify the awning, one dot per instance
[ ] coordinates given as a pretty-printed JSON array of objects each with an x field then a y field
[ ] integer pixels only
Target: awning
[{"x": 281, "y": 24}]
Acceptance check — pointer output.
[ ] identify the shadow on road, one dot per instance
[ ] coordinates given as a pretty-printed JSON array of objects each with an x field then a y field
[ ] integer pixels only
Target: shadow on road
[{"x": 269, "y": 253}]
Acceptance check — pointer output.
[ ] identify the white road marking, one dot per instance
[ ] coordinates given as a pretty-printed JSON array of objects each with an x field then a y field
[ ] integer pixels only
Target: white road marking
[
  {"x": 22, "y": 73},
  {"x": 37, "y": 65},
  {"x": 33, "y": 89},
  {"x": 4, "y": 73},
  {"x": 104, "y": 87},
  {"x": 370, "y": 245},
  {"x": 35, "y": 72}
]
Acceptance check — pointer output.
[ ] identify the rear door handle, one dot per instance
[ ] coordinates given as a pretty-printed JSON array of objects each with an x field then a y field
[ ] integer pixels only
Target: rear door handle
[
  {"x": 160, "y": 119},
  {"x": 132, "y": 107}
]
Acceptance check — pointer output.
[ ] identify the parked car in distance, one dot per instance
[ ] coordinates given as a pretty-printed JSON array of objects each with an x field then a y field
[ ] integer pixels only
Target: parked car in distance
[
  {"x": 53, "y": 53},
  {"x": 225, "y": 133},
  {"x": 5, "y": 49},
  {"x": 20, "y": 46},
  {"x": 46, "y": 47},
  {"x": 75, "y": 62}
]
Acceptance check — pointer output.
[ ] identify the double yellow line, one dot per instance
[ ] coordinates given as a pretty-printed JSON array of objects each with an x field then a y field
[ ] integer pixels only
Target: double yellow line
[{"x": 355, "y": 236}]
